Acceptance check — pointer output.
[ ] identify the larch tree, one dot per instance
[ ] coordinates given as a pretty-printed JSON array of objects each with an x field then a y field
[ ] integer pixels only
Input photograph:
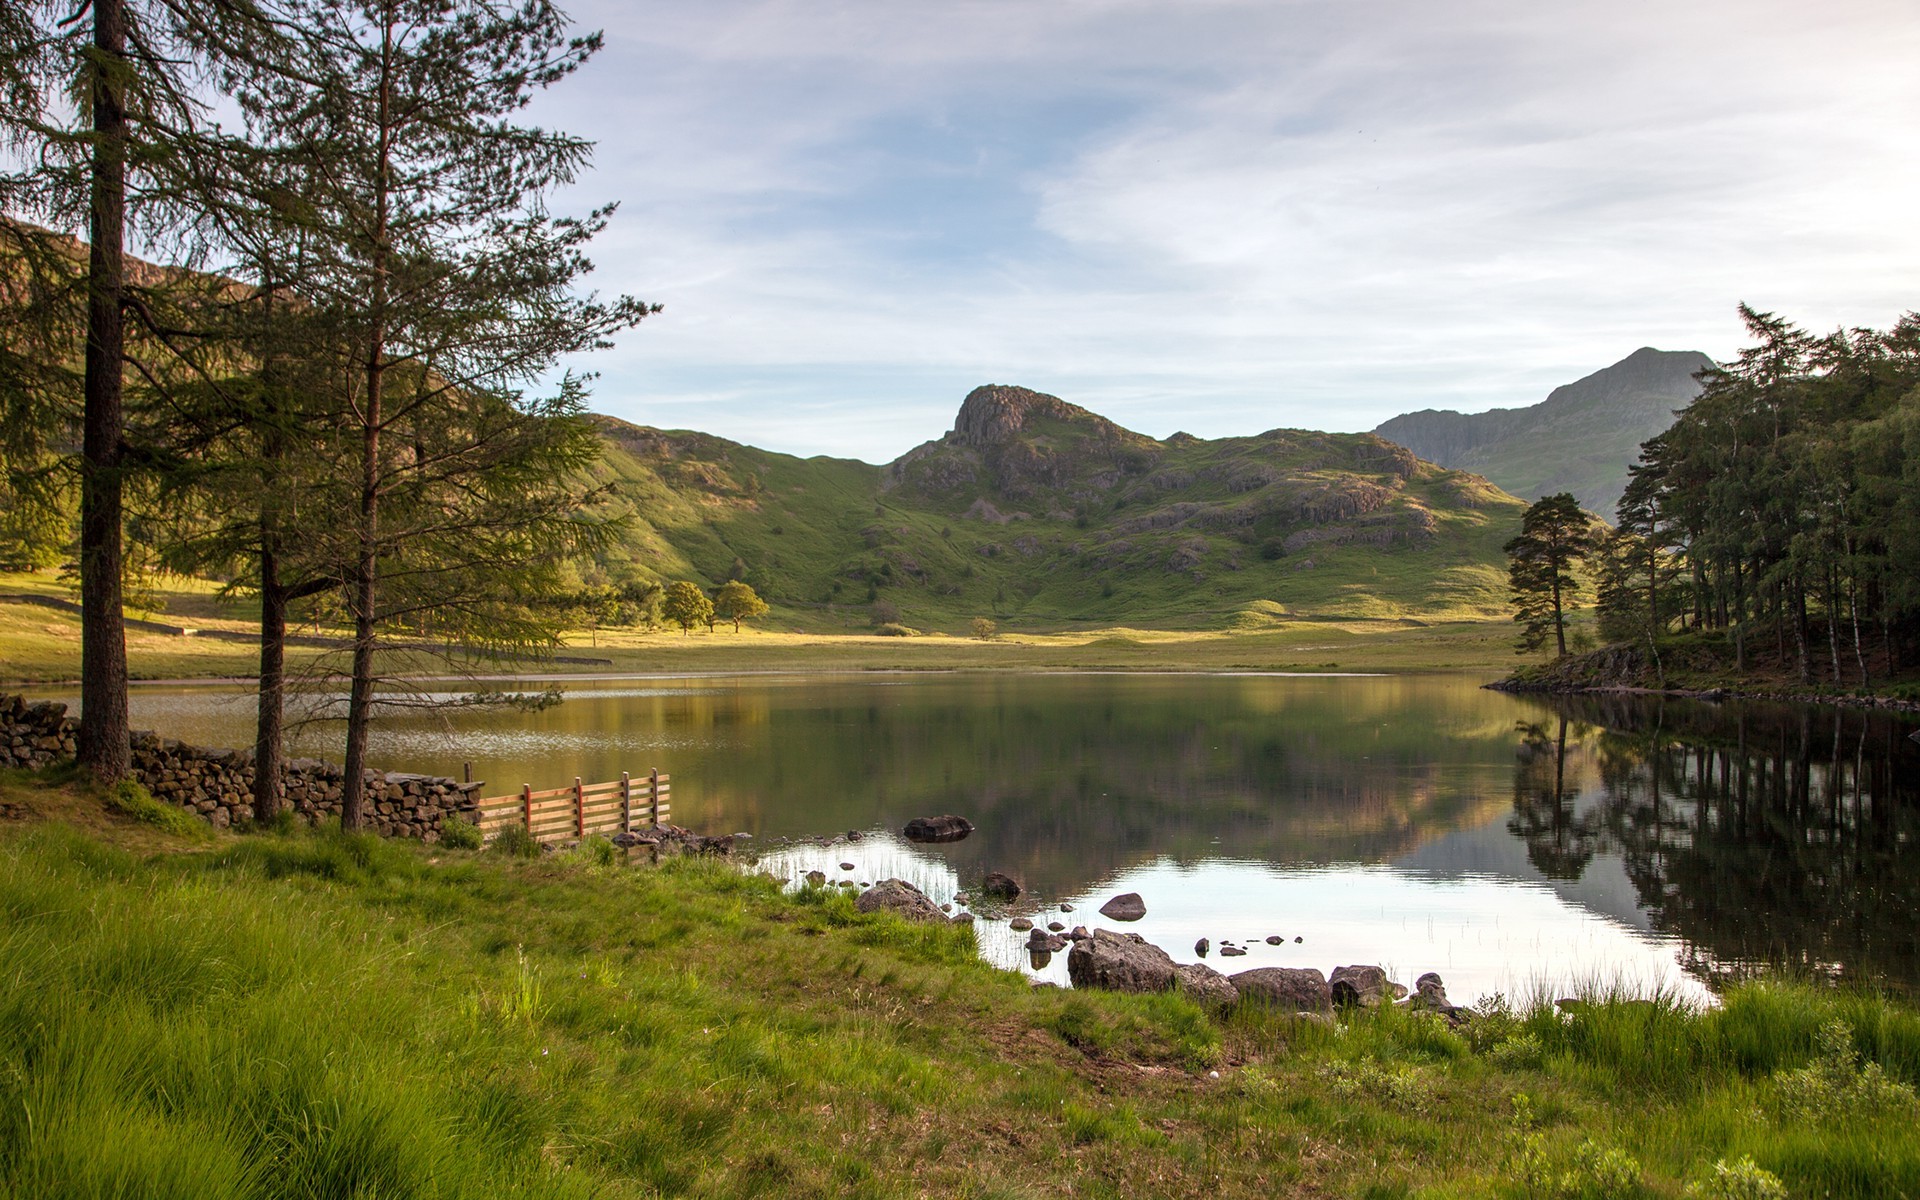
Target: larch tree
[
  {"x": 450, "y": 292},
  {"x": 1555, "y": 535}
]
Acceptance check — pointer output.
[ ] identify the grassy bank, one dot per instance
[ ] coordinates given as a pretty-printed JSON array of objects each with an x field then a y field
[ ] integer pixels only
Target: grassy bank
[
  {"x": 309, "y": 1014},
  {"x": 41, "y": 644}
]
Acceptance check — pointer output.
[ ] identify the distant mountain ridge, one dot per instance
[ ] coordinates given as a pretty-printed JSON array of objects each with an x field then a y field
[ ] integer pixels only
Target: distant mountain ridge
[
  {"x": 1580, "y": 439},
  {"x": 1036, "y": 510}
]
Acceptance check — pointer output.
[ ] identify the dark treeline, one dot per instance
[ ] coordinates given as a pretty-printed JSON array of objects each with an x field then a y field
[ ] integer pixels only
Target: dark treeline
[
  {"x": 353, "y": 407},
  {"x": 1781, "y": 511}
]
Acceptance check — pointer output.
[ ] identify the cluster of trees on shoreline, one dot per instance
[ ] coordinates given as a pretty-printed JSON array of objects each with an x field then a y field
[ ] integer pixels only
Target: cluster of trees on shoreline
[
  {"x": 350, "y": 403},
  {"x": 1780, "y": 511}
]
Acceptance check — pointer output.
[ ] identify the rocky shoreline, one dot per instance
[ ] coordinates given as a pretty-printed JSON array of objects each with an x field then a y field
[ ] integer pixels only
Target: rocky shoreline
[{"x": 1116, "y": 961}]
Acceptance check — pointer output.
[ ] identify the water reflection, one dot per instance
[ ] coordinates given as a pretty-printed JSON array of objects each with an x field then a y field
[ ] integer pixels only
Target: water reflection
[
  {"x": 1417, "y": 821},
  {"x": 1759, "y": 835}
]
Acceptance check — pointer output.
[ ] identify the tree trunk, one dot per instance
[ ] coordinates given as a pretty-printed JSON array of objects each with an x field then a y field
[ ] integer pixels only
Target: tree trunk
[
  {"x": 103, "y": 638},
  {"x": 269, "y": 730},
  {"x": 1799, "y": 614},
  {"x": 364, "y": 593},
  {"x": 1559, "y": 621}
]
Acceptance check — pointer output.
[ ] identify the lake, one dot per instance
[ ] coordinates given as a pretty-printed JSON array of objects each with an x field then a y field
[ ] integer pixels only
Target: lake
[{"x": 1511, "y": 843}]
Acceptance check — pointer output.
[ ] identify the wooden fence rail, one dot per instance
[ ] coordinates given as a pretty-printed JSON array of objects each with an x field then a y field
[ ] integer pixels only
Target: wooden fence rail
[{"x": 617, "y": 806}]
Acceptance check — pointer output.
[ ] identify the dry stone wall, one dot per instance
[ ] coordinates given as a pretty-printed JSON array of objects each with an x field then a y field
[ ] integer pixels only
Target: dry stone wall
[{"x": 218, "y": 784}]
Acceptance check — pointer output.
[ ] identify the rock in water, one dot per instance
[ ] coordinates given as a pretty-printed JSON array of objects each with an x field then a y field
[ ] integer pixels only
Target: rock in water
[
  {"x": 1078, "y": 934},
  {"x": 1120, "y": 962},
  {"x": 1274, "y": 939},
  {"x": 937, "y": 829},
  {"x": 1056, "y": 927},
  {"x": 1020, "y": 924},
  {"x": 1291, "y": 989},
  {"x": 1232, "y": 952},
  {"x": 1208, "y": 987},
  {"x": 816, "y": 879},
  {"x": 1051, "y": 943},
  {"x": 1129, "y": 907},
  {"x": 1202, "y": 946},
  {"x": 899, "y": 897},
  {"x": 1000, "y": 886},
  {"x": 1366, "y": 986}
]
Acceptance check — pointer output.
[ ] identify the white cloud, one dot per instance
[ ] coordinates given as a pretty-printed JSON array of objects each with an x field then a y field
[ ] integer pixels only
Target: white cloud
[{"x": 1225, "y": 216}]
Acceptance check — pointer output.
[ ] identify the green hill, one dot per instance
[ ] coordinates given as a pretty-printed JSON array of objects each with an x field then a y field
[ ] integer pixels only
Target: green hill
[
  {"x": 1040, "y": 513},
  {"x": 1580, "y": 439}
]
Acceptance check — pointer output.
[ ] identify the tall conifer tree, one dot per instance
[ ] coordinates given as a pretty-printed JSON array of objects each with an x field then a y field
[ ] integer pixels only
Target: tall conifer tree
[{"x": 449, "y": 291}]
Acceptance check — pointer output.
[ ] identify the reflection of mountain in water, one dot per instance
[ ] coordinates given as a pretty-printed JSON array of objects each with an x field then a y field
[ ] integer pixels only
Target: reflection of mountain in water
[
  {"x": 1070, "y": 783},
  {"x": 1758, "y": 834}
]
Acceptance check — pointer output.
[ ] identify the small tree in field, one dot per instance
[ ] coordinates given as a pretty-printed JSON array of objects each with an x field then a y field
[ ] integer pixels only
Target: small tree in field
[
  {"x": 1554, "y": 535},
  {"x": 686, "y": 605},
  {"x": 737, "y": 601},
  {"x": 985, "y": 629}
]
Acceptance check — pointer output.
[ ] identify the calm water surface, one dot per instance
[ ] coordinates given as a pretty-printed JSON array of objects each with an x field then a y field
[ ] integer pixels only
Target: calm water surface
[{"x": 1419, "y": 822}]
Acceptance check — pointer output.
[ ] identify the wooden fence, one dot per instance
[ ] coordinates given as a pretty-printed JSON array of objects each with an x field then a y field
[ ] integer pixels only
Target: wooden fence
[{"x": 617, "y": 806}]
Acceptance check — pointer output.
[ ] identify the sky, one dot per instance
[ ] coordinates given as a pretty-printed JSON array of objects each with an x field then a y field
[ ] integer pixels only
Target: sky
[{"x": 1222, "y": 216}]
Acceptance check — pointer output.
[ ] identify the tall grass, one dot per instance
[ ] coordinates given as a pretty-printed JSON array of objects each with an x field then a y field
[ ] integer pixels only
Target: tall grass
[{"x": 313, "y": 1014}]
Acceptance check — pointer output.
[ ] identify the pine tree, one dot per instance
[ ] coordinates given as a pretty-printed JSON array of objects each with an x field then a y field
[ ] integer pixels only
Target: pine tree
[{"x": 1555, "y": 534}]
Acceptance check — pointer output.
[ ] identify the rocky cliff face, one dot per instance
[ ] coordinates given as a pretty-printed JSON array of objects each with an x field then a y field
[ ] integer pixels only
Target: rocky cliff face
[{"x": 1580, "y": 439}]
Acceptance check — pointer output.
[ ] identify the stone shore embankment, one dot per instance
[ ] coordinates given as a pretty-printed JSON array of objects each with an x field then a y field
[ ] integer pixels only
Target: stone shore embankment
[{"x": 218, "y": 784}]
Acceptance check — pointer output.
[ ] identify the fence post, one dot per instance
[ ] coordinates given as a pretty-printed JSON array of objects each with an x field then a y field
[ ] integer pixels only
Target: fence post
[
  {"x": 626, "y": 803},
  {"x": 579, "y": 809},
  {"x": 526, "y": 806},
  {"x": 653, "y": 795}
]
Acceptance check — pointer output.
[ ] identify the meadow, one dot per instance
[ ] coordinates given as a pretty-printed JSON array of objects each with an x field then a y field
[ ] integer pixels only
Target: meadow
[
  {"x": 297, "y": 1013},
  {"x": 42, "y": 644}
]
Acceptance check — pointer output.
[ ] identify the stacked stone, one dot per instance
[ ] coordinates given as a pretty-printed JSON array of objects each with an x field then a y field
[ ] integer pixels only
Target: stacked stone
[
  {"x": 218, "y": 784},
  {"x": 33, "y": 735}
]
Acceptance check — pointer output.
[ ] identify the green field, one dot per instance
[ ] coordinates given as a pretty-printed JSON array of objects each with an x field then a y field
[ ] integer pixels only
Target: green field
[
  {"x": 43, "y": 644},
  {"x": 306, "y": 1014}
]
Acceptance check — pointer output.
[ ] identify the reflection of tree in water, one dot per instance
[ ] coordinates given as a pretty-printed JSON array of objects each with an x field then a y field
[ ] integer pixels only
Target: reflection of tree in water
[
  {"x": 1759, "y": 834},
  {"x": 1560, "y": 843}
]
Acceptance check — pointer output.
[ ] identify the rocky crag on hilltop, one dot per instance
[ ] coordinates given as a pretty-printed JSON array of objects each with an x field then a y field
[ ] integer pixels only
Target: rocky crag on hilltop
[{"x": 1580, "y": 439}]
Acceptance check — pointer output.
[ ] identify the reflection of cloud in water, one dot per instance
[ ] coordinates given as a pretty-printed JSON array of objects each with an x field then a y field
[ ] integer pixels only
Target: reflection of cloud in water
[{"x": 1483, "y": 934}]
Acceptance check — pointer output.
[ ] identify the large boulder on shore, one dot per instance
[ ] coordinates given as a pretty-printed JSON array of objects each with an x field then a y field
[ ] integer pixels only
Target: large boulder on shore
[
  {"x": 1205, "y": 986},
  {"x": 937, "y": 829},
  {"x": 1127, "y": 907},
  {"x": 1292, "y": 989},
  {"x": 1364, "y": 986},
  {"x": 1120, "y": 962},
  {"x": 901, "y": 898}
]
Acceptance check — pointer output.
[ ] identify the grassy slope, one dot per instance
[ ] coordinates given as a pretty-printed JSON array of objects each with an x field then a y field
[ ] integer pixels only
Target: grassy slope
[
  {"x": 813, "y": 535},
  {"x": 301, "y": 1015}
]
